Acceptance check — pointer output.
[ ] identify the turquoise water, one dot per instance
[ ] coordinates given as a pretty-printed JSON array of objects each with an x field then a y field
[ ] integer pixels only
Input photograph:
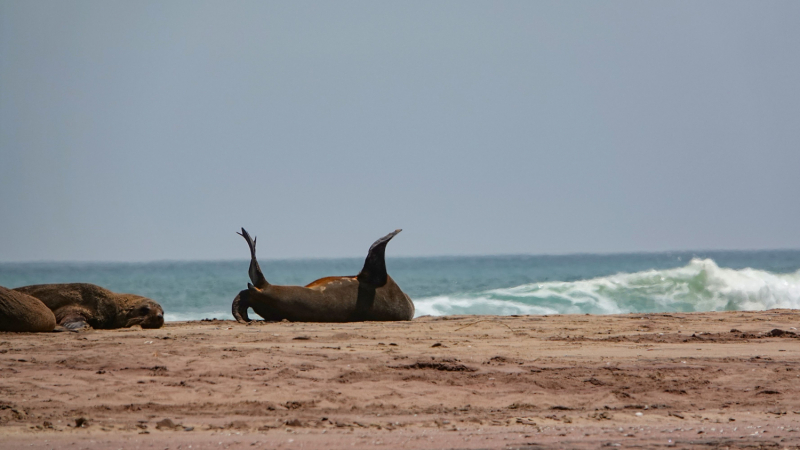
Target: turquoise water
[{"x": 597, "y": 284}]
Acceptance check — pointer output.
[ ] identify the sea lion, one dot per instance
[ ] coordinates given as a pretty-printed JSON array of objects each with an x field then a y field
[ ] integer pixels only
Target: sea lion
[
  {"x": 21, "y": 312},
  {"x": 370, "y": 295},
  {"x": 81, "y": 305}
]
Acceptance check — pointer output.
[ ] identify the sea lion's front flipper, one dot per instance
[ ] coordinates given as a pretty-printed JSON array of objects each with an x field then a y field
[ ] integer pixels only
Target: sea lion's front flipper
[
  {"x": 256, "y": 276},
  {"x": 240, "y": 305},
  {"x": 74, "y": 323},
  {"x": 374, "y": 271}
]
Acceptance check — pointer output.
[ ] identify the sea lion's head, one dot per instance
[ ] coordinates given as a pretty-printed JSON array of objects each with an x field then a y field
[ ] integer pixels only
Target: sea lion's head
[{"x": 143, "y": 311}]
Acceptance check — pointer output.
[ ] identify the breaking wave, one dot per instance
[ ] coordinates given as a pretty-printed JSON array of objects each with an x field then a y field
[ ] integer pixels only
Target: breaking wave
[{"x": 701, "y": 285}]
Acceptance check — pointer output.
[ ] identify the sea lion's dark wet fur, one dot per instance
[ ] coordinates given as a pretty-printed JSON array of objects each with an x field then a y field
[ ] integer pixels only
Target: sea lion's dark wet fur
[
  {"x": 21, "y": 312},
  {"x": 77, "y": 305},
  {"x": 370, "y": 295}
]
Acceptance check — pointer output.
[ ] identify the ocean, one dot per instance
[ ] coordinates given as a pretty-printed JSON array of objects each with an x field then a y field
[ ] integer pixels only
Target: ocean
[{"x": 505, "y": 285}]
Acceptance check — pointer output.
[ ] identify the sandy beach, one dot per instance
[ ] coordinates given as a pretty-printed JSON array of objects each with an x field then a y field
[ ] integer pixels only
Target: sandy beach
[{"x": 701, "y": 380}]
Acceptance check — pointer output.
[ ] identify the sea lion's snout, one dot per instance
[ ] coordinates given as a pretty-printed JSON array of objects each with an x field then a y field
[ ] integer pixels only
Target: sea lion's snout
[
  {"x": 154, "y": 321},
  {"x": 154, "y": 318},
  {"x": 147, "y": 314}
]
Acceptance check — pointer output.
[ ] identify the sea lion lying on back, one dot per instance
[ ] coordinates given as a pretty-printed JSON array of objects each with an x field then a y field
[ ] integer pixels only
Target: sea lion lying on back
[
  {"x": 21, "y": 312},
  {"x": 370, "y": 295},
  {"x": 81, "y": 305}
]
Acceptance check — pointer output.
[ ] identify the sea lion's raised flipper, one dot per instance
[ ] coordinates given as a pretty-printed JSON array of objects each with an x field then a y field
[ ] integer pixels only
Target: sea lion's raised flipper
[
  {"x": 240, "y": 305},
  {"x": 374, "y": 271},
  {"x": 256, "y": 276}
]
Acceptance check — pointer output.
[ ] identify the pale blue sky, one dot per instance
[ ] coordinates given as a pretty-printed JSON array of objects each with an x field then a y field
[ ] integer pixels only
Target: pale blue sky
[{"x": 154, "y": 130}]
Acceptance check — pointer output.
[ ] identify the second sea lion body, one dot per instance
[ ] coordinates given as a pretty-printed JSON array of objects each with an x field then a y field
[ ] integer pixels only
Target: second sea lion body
[{"x": 77, "y": 305}]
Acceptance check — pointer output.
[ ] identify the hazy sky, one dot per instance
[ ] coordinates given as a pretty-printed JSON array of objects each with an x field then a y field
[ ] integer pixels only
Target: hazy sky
[{"x": 154, "y": 130}]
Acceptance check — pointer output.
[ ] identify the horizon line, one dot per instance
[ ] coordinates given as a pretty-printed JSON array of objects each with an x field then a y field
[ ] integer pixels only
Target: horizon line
[{"x": 324, "y": 258}]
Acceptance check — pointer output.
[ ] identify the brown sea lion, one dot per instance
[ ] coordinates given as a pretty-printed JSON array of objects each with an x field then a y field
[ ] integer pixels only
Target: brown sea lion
[
  {"x": 21, "y": 312},
  {"x": 81, "y": 305},
  {"x": 370, "y": 295}
]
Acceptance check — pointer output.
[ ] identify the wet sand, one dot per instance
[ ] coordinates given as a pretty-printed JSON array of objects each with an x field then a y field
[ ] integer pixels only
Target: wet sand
[{"x": 702, "y": 380}]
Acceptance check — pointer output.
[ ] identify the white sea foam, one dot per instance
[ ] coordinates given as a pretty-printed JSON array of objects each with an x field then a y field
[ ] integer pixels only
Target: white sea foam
[{"x": 701, "y": 285}]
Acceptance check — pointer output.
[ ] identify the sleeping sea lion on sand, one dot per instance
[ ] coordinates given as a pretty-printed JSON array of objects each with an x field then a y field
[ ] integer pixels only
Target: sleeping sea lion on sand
[
  {"x": 21, "y": 312},
  {"x": 370, "y": 295},
  {"x": 80, "y": 305}
]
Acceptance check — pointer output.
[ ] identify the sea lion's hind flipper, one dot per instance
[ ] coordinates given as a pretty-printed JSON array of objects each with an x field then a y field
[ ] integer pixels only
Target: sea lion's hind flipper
[
  {"x": 256, "y": 276},
  {"x": 374, "y": 271},
  {"x": 240, "y": 305}
]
